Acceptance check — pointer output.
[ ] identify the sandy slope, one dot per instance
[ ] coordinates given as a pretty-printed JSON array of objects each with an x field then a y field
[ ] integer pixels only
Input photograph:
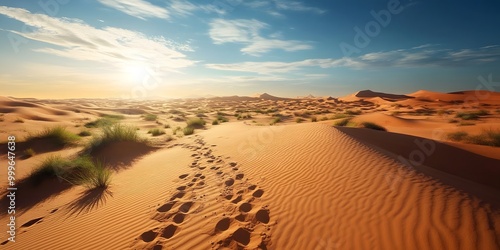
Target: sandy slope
[
  {"x": 327, "y": 191},
  {"x": 297, "y": 186}
]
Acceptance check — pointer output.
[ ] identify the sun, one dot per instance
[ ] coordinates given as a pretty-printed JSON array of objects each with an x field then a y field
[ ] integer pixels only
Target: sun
[{"x": 134, "y": 71}]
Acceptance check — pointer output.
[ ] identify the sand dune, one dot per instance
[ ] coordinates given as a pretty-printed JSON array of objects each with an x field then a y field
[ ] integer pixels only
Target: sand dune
[{"x": 243, "y": 184}]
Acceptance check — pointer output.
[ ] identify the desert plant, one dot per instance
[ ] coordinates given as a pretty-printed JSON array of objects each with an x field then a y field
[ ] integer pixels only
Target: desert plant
[
  {"x": 342, "y": 123},
  {"x": 221, "y": 118},
  {"x": 101, "y": 122},
  {"x": 85, "y": 133},
  {"x": 275, "y": 120},
  {"x": 94, "y": 175},
  {"x": 215, "y": 122},
  {"x": 299, "y": 120},
  {"x": 115, "y": 133},
  {"x": 374, "y": 126},
  {"x": 19, "y": 120},
  {"x": 457, "y": 136},
  {"x": 314, "y": 119},
  {"x": 352, "y": 112},
  {"x": 111, "y": 116},
  {"x": 29, "y": 153},
  {"x": 150, "y": 117},
  {"x": 188, "y": 130},
  {"x": 57, "y": 134},
  {"x": 156, "y": 132},
  {"x": 195, "y": 122}
]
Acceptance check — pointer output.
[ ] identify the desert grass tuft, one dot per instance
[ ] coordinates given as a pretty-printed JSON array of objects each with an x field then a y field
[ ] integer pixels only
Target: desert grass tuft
[
  {"x": 58, "y": 134},
  {"x": 374, "y": 126},
  {"x": 188, "y": 130},
  {"x": 150, "y": 117},
  {"x": 195, "y": 122},
  {"x": 27, "y": 153},
  {"x": 156, "y": 132}
]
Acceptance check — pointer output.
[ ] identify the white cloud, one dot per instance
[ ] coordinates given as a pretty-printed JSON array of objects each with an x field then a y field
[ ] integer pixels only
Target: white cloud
[
  {"x": 247, "y": 32},
  {"x": 109, "y": 46},
  {"x": 185, "y": 8},
  {"x": 296, "y": 6},
  {"x": 137, "y": 8},
  {"x": 413, "y": 57}
]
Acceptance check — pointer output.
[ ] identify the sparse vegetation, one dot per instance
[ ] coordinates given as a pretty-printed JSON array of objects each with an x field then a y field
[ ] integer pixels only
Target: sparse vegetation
[
  {"x": 343, "y": 123},
  {"x": 27, "y": 153},
  {"x": 457, "y": 136},
  {"x": 113, "y": 117},
  {"x": 156, "y": 132},
  {"x": 115, "y": 133},
  {"x": 84, "y": 133},
  {"x": 215, "y": 122},
  {"x": 453, "y": 121},
  {"x": 299, "y": 119},
  {"x": 79, "y": 171},
  {"x": 487, "y": 137},
  {"x": 195, "y": 123},
  {"x": 95, "y": 175},
  {"x": 275, "y": 120},
  {"x": 188, "y": 130},
  {"x": 221, "y": 118},
  {"x": 374, "y": 126},
  {"x": 150, "y": 117},
  {"x": 473, "y": 115},
  {"x": 19, "y": 120},
  {"x": 314, "y": 119},
  {"x": 352, "y": 112},
  {"x": 59, "y": 135},
  {"x": 101, "y": 122}
]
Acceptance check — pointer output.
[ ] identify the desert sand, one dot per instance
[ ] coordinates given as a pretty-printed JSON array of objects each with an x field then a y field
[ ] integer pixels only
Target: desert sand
[{"x": 272, "y": 173}]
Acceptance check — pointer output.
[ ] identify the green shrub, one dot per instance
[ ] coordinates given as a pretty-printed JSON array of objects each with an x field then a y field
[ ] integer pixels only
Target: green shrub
[
  {"x": 222, "y": 118},
  {"x": 299, "y": 120},
  {"x": 150, "y": 117},
  {"x": 115, "y": 133},
  {"x": 188, "y": 130},
  {"x": 342, "y": 123},
  {"x": 57, "y": 134},
  {"x": 195, "y": 122},
  {"x": 275, "y": 120},
  {"x": 215, "y": 122},
  {"x": 101, "y": 122},
  {"x": 156, "y": 132}
]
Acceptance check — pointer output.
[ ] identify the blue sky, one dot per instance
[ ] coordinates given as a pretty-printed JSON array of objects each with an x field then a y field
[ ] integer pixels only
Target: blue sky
[{"x": 141, "y": 48}]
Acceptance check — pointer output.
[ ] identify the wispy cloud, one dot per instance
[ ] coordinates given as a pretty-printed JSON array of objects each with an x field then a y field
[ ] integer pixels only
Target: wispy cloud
[
  {"x": 109, "y": 46},
  {"x": 296, "y": 6},
  {"x": 415, "y": 57},
  {"x": 247, "y": 32},
  {"x": 138, "y": 8},
  {"x": 186, "y": 8}
]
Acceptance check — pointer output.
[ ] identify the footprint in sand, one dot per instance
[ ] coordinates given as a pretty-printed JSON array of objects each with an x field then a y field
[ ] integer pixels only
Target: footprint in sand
[
  {"x": 263, "y": 216},
  {"x": 166, "y": 207},
  {"x": 169, "y": 231},
  {"x": 245, "y": 207},
  {"x": 239, "y": 176},
  {"x": 178, "y": 195},
  {"x": 223, "y": 224},
  {"x": 229, "y": 182},
  {"x": 184, "y": 208},
  {"x": 178, "y": 218},
  {"x": 258, "y": 193},
  {"x": 237, "y": 200},
  {"x": 149, "y": 236},
  {"x": 183, "y": 176}
]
